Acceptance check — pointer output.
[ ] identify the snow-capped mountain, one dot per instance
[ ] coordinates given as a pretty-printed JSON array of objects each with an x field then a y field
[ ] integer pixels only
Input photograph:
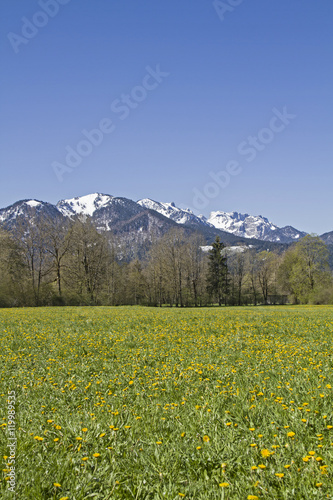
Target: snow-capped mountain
[
  {"x": 253, "y": 226},
  {"x": 179, "y": 215},
  {"x": 84, "y": 205},
  {"x": 245, "y": 225},
  {"x": 27, "y": 208},
  {"x": 147, "y": 217}
]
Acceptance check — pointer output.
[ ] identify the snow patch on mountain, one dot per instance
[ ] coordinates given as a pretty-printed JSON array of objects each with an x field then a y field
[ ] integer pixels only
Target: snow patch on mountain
[
  {"x": 33, "y": 203},
  {"x": 253, "y": 226},
  {"x": 245, "y": 225},
  {"x": 84, "y": 205},
  {"x": 179, "y": 215}
]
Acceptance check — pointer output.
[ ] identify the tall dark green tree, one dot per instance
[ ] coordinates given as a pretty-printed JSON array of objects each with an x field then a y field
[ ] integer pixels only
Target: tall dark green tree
[{"x": 217, "y": 276}]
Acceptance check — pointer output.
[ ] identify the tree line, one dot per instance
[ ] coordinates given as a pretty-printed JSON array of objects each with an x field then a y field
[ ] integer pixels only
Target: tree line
[{"x": 51, "y": 262}]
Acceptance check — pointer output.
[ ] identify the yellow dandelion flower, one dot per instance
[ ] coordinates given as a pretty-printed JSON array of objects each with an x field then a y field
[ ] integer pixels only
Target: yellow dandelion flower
[
  {"x": 206, "y": 439},
  {"x": 96, "y": 455},
  {"x": 279, "y": 474},
  {"x": 84, "y": 429},
  {"x": 56, "y": 439},
  {"x": 265, "y": 453},
  {"x": 290, "y": 434},
  {"x": 85, "y": 458},
  {"x": 57, "y": 485},
  {"x": 224, "y": 485}
]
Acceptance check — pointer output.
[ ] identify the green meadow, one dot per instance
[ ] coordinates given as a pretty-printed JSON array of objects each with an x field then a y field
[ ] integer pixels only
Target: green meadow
[{"x": 166, "y": 403}]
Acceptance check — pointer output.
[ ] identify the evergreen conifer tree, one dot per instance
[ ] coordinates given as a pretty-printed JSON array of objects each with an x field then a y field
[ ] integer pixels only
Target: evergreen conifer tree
[{"x": 217, "y": 277}]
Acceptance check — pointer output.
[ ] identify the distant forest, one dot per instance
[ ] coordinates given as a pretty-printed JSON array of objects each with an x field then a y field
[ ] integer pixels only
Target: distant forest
[{"x": 52, "y": 263}]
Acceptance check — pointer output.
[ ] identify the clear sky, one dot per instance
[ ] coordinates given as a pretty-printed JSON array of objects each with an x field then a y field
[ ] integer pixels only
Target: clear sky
[{"x": 212, "y": 107}]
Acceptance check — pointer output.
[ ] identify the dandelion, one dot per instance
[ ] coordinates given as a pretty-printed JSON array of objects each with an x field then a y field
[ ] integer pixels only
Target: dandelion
[
  {"x": 85, "y": 458},
  {"x": 96, "y": 455},
  {"x": 224, "y": 485},
  {"x": 290, "y": 434},
  {"x": 265, "y": 453},
  {"x": 198, "y": 447},
  {"x": 84, "y": 429},
  {"x": 205, "y": 439},
  {"x": 181, "y": 494},
  {"x": 279, "y": 474},
  {"x": 319, "y": 485},
  {"x": 262, "y": 466},
  {"x": 78, "y": 438},
  {"x": 182, "y": 434},
  {"x": 254, "y": 467},
  {"x": 252, "y": 497},
  {"x": 57, "y": 485},
  {"x": 58, "y": 427},
  {"x": 56, "y": 439}
]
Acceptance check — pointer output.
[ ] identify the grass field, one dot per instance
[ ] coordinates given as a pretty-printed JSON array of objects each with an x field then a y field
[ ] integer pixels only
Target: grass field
[{"x": 138, "y": 403}]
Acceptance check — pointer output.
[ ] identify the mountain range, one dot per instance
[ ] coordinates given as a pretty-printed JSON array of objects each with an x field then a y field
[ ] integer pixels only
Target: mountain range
[{"x": 137, "y": 220}]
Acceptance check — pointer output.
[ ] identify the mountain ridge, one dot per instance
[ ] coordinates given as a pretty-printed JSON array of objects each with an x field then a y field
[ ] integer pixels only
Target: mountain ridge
[{"x": 112, "y": 213}]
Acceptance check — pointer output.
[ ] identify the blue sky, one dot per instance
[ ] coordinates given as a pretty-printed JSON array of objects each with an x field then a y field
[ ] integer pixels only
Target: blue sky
[{"x": 225, "y": 76}]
